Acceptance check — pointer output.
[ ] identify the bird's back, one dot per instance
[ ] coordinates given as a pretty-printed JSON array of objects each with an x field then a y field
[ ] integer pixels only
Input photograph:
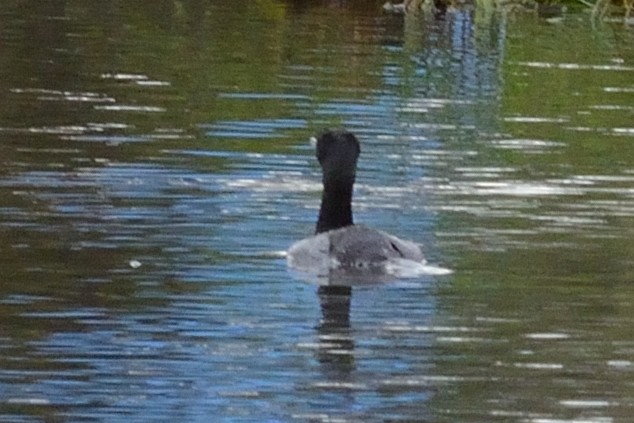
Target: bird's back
[{"x": 351, "y": 247}]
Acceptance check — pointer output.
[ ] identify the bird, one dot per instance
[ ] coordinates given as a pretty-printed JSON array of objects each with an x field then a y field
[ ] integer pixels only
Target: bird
[{"x": 339, "y": 247}]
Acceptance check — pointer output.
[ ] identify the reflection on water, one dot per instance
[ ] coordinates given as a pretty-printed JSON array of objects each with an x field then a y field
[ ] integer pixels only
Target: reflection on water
[
  {"x": 154, "y": 161},
  {"x": 336, "y": 343}
]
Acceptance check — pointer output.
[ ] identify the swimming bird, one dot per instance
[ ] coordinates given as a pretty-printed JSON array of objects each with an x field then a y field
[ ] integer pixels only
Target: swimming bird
[{"x": 340, "y": 247}]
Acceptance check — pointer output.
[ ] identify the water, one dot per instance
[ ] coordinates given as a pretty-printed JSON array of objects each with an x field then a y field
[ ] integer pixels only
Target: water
[{"x": 155, "y": 162}]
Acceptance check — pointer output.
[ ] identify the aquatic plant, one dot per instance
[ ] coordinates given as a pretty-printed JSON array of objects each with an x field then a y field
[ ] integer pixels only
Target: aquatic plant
[
  {"x": 544, "y": 8},
  {"x": 602, "y": 7}
]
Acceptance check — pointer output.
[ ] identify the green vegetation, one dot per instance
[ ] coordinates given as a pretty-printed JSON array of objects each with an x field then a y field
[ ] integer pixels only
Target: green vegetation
[{"x": 544, "y": 8}]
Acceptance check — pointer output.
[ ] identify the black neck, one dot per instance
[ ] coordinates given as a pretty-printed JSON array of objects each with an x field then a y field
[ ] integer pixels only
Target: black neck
[{"x": 336, "y": 210}]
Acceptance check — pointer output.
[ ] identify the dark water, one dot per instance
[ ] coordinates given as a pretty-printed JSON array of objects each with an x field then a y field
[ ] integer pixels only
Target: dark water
[{"x": 154, "y": 162}]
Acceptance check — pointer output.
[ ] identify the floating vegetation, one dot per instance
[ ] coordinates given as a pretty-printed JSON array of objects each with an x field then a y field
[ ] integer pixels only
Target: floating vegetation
[
  {"x": 603, "y": 8},
  {"x": 546, "y": 9}
]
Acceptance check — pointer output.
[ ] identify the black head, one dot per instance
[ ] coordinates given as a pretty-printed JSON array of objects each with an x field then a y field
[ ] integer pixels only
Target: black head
[{"x": 337, "y": 152}]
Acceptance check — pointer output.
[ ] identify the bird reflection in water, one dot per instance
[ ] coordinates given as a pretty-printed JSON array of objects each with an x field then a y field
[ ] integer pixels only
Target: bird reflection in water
[{"x": 336, "y": 346}]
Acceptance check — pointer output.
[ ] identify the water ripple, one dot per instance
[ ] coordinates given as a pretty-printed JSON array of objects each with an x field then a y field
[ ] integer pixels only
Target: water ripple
[{"x": 273, "y": 128}]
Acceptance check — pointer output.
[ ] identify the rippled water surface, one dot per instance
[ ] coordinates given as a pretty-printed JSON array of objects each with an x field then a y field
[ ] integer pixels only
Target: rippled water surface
[{"x": 154, "y": 164}]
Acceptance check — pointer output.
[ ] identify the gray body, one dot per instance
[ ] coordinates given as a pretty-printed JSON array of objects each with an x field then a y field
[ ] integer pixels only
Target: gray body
[{"x": 353, "y": 249}]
